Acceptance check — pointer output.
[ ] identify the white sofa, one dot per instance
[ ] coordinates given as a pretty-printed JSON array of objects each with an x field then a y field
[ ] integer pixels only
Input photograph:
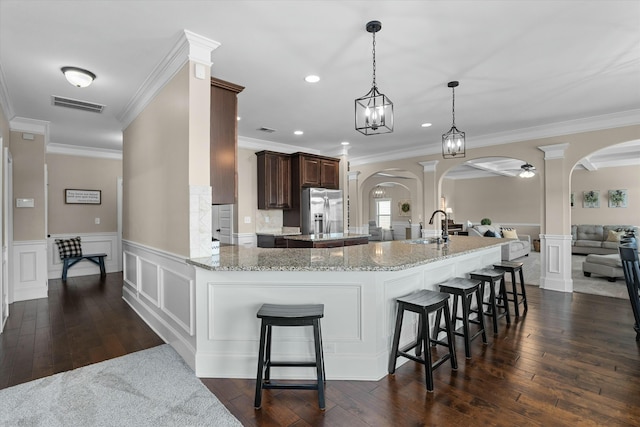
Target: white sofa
[{"x": 512, "y": 249}]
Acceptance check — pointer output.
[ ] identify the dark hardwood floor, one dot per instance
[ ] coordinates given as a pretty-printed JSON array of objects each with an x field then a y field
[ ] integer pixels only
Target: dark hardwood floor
[
  {"x": 82, "y": 322},
  {"x": 573, "y": 360}
]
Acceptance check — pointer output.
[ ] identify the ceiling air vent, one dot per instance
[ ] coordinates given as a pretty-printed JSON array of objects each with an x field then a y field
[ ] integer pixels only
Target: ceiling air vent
[
  {"x": 76, "y": 104},
  {"x": 267, "y": 130}
]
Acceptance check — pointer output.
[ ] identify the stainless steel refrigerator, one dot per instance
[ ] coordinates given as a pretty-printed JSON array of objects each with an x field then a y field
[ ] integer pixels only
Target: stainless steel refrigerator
[{"x": 322, "y": 211}]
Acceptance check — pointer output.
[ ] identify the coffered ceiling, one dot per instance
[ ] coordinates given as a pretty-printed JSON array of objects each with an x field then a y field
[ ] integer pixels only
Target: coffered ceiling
[{"x": 526, "y": 68}]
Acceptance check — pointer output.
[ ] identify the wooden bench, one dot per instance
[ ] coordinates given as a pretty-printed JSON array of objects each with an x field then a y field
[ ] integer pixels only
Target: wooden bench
[{"x": 97, "y": 259}]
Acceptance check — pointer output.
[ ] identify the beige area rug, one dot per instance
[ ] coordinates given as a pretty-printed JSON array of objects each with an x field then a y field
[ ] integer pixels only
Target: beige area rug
[
  {"x": 152, "y": 387},
  {"x": 595, "y": 285}
]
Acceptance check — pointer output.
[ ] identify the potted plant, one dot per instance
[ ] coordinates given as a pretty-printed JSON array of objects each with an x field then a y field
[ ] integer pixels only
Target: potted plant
[{"x": 485, "y": 221}]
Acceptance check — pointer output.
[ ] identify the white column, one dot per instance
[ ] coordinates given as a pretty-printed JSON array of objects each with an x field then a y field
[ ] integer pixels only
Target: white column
[
  {"x": 431, "y": 195},
  {"x": 555, "y": 243},
  {"x": 355, "y": 225}
]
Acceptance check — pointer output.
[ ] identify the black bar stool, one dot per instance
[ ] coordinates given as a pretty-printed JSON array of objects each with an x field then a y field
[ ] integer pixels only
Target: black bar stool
[
  {"x": 491, "y": 276},
  {"x": 289, "y": 315},
  {"x": 464, "y": 289},
  {"x": 518, "y": 298},
  {"x": 423, "y": 302}
]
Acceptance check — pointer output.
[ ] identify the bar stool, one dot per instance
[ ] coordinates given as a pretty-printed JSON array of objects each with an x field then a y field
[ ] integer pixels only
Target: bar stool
[
  {"x": 491, "y": 276},
  {"x": 518, "y": 298},
  {"x": 289, "y": 315},
  {"x": 423, "y": 302},
  {"x": 464, "y": 289}
]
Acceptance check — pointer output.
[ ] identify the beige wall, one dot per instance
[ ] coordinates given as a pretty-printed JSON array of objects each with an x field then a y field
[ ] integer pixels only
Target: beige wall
[
  {"x": 83, "y": 173},
  {"x": 155, "y": 171},
  {"x": 28, "y": 183},
  {"x": 247, "y": 190},
  {"x": 397, "y": 194},
  {"x": 603, "y": 180}
]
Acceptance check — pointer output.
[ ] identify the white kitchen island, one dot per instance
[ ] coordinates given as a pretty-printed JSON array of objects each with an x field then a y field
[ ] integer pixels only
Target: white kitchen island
[{"x": 357, "y": 285}]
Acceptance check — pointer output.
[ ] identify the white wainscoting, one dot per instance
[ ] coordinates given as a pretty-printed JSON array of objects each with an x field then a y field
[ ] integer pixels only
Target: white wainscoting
[
  {"x": 160, "y": 287},
  {"x": 92, "y": 243},
  {"x": 29, "y": 270}
]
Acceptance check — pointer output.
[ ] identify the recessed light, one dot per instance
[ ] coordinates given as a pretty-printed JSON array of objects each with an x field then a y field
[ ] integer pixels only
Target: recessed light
[
  {"x": 345, "y": 143},
  {"x": 298, "y": 132},
  {"x": 312, "y": 79},
  {"x": 239, "y": 118},
  {"x": 425, "y": 125}
]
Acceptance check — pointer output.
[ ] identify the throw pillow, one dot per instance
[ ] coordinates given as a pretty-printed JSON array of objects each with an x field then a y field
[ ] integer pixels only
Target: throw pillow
[
  {"x": 69, "y": 247},
  {"x": 509, "y": 233},
  {"x": 489, "y": 233},
  {"x": 614, "y": 236}
]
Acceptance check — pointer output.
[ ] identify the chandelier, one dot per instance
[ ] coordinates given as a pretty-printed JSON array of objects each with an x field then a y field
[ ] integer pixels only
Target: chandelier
[
  {"x": 374, "y": 111},
  {"x": 379, "y": 193},
  {"x": 453, "y": 142}
]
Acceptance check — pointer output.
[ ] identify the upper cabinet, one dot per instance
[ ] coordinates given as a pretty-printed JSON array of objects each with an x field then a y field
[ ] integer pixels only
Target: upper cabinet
[
  {"x": 274, "y": 180},
  {"x": 309, "y": 170},
  {"x": 224, "y": 141}
]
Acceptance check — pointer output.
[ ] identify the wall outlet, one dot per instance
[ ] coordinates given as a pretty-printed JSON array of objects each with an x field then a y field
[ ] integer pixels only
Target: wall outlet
[
  {"x": 97, "y": 221},
  {"x": 247, "y": 220}
]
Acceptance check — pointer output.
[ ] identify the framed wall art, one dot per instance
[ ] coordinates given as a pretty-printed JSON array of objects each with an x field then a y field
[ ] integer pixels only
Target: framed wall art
[
  {"x": 404, "y": 208},
  {"x": 82, "y": 197},
  {"x": 591, "y": 199},
  {"x": 617, "y": 198}
]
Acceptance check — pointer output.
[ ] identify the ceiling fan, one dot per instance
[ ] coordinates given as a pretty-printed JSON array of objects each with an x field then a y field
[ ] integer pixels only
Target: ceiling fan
[{"x": 528, "y": 171}]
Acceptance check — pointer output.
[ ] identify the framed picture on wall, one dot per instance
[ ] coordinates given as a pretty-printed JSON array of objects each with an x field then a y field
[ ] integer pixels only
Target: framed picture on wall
[
  {"x": 591, "y": 199},
  {"x": 82, "y": 197},
  {"x": 617, "y": 198},
  {"x": 404, "y": 208}
]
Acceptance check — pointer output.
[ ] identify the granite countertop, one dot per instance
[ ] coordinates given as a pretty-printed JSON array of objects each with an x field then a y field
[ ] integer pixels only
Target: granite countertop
[
  {"x": 326, "y": 237},
  {"x": 379, "y": 256}
]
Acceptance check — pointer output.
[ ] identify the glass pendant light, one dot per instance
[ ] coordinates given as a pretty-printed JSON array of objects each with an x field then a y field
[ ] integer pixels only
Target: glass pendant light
[
  {"x": 453, "y": 142},
  {"x": 374, "y": 111}
]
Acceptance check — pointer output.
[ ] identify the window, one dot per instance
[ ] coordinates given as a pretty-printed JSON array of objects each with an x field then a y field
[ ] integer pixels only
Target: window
[{"x": 383, "y": 213}]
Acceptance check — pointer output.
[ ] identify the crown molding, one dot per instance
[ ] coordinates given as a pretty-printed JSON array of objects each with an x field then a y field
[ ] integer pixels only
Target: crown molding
[
  {"x": 189, "y": 46},
  {"x": 5, "y": 101},
  {"x": 261, "y": 144},
  {"x": 23, "y": 124},
  {"x": 587, "y": 124},
  {"x": 74, "y": 150}
]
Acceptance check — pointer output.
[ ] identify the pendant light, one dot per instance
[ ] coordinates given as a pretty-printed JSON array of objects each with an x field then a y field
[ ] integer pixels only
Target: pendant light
[
  {"x": 374, "y": 111},
  {"x": 453, "y": 142},
  {"x": 379, "y": 193}
]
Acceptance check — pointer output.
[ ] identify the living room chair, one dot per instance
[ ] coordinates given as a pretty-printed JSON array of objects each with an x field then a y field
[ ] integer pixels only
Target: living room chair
[{"x": 374, "y": 231}]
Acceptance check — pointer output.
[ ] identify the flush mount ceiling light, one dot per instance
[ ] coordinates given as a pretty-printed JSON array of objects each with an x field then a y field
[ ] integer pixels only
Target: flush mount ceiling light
[
  {"x": 527, "y": 171},
  {"x": 78, "y": 77},
  {"x": 312, "y": 78},
  {"x": 379, "y": 192},
  {"x": 453, "y": 142},
  {"x": 374, "y": 111}
]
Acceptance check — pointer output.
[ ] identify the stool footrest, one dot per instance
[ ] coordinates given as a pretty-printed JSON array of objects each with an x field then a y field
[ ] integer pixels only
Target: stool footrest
[
  {"x": 285, "y": 386},
  {"x": 298, "y": 364}
]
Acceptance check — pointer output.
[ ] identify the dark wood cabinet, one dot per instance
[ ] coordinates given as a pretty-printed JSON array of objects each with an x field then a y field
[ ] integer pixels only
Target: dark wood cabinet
[
  {"x": 224, "y": 142},
  {"x": 269, "y": 241},
  {"x": 274, "y": 180},
  {"x": 316, "y": 171}
]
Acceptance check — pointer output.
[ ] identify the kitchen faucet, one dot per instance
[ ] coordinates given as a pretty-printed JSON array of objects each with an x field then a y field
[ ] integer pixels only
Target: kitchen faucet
[{"x": 445, "y": 229}]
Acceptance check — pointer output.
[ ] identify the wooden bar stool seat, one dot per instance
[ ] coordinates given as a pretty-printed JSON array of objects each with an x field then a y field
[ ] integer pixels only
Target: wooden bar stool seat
[
  {"x": 493, "y": 276},
  {"x": 423, "y": 302},
  {"x": 289, "y": 315},
  {"x": 464, "y": 289},
  {"x": 517, "y": 298}
]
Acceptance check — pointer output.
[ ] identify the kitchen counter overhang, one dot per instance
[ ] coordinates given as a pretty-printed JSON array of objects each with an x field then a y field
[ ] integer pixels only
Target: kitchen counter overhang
[{"x": 358, "y": 286}]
